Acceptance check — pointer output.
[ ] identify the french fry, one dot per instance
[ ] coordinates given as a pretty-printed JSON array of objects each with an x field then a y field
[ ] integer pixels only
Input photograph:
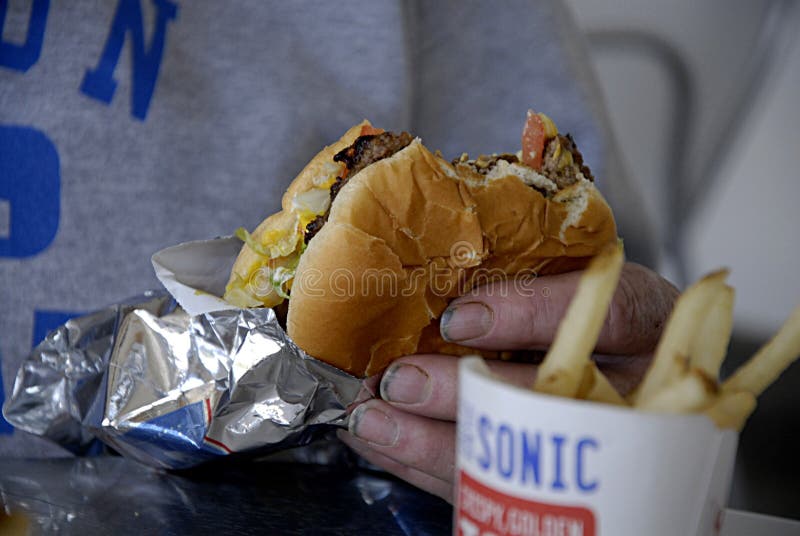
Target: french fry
[
  {"x": 595, "y": 387},
  {"x": 563, "y": 367},
  {"x": 731, "y": 410},
  {"x": 683, "y": 377},
  {"x": 770, "y": 361},
  {"x": 671, "y": 358},
  {"x": 710, "y": 342},
  {"x": 688, "y": 394}
]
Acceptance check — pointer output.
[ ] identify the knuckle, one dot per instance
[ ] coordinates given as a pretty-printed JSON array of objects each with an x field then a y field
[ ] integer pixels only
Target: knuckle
[
  {"x": 516, "y": 325},
  {"x": 524, "y": 319},
  {"x": 627, "y": 318},
  {"x": 639, "y": 309}
]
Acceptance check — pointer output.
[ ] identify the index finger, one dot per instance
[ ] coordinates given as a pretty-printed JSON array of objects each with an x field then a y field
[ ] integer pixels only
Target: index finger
[{"x": 510, "y": 315}]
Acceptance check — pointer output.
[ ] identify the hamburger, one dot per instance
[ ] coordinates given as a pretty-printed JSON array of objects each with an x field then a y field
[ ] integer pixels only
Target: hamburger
[{"x": 377, "y": 234}]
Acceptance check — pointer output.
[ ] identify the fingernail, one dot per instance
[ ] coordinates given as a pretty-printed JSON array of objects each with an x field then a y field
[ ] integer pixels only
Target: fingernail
[
  {"x": 405, "y": 384},
  {"x": 466, "y": 321},
  {"x": 374, "y": 426}
]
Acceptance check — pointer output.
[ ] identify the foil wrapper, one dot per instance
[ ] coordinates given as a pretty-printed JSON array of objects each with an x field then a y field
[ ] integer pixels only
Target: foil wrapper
[
  {"x": 59, "y": 392},
  {"x": 173, "y": 390}
]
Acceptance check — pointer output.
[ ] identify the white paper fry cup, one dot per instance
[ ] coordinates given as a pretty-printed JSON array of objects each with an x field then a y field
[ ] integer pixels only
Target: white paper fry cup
[{"x": 538, "y": 465}]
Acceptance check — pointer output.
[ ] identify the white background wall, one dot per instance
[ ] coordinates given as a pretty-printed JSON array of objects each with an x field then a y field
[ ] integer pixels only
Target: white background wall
[{"x": 751, "y": 220}]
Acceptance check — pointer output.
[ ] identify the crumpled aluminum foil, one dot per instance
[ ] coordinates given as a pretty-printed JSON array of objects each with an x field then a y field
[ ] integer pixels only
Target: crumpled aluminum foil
[{"x": 174, "y": 391}]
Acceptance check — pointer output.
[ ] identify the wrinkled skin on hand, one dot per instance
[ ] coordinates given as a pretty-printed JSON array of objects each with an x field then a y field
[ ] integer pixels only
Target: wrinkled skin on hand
[{"x": 408, "y": 426}]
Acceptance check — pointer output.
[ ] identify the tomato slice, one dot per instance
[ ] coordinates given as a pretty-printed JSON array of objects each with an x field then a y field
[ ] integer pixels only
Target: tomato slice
[
  {"x": 369, "y": 130},
  {"x": 533, "y": 141}
]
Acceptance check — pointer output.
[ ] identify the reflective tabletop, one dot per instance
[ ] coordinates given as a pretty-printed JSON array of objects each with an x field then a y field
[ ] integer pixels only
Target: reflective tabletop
[{"x": 112, "y": 495}]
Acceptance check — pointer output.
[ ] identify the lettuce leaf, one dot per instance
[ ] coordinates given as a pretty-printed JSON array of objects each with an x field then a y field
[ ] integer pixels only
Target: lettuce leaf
[{"x": 242, "y": 234}]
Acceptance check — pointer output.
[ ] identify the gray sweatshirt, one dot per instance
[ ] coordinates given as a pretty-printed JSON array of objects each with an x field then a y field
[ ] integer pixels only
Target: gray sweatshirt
[{"x": 130, "y": 125}]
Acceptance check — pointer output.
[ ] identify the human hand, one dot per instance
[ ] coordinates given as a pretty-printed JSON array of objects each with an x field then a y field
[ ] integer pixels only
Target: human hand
[{"x": 410, "y": 430}]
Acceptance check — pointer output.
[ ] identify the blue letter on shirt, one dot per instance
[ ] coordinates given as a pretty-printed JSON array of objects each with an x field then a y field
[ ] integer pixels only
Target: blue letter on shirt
[
  {"x": 30, "y": 191},
  {"x": 46, "y": 321},
  {"x": 99, "y": 83},
  {"x": 22, "y": 57},
  {"x": 5, "y": 428}
]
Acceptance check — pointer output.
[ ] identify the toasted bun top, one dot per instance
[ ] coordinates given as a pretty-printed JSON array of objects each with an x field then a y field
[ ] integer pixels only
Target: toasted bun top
[
  {"x": 409, "y": 233},
  {"x": 321, "y": 166},
  {"x": 285, "y": 223}
]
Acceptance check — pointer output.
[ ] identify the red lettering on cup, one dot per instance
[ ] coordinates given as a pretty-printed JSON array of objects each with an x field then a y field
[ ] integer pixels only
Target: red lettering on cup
[{"x": 481, "y": 510}]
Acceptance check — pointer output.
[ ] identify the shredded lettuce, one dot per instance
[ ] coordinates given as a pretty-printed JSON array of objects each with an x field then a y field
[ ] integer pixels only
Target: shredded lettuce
[
  {"x": 242, "y": 234},
  {"x": 279, "y": 277},
  {"x": 279, "y": 243}
]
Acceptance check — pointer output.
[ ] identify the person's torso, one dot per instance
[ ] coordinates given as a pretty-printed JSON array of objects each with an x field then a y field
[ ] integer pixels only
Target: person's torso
[{"x": 133, "y": 125}]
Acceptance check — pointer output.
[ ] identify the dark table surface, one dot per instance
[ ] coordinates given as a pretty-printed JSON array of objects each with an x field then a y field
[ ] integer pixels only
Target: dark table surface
[{"x": 111, "y": 495}]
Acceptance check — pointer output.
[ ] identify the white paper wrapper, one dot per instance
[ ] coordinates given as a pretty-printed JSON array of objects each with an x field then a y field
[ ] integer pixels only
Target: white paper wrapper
[
  {"x": 195, "y": 273},
  {"x": 537, "y": 465}
]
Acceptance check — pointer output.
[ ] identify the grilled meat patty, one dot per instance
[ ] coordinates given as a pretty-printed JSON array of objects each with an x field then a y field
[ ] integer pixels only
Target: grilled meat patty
[
  {"x": 365, "y": 150},
  {"x": 562, "y": 164}
]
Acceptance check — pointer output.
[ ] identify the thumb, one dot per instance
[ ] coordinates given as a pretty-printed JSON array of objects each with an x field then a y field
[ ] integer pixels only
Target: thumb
[{"x": 524, "y": 314}]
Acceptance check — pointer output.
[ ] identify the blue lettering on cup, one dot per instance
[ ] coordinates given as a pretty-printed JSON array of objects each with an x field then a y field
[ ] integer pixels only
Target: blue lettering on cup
[
  {"x": 531, "y": 444},
  {"x": 505, "y": 451},
  {"x": 558, "y": 444},
  {"x": 484, "y": 428},
  {"x": 580, "y": 464}
]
